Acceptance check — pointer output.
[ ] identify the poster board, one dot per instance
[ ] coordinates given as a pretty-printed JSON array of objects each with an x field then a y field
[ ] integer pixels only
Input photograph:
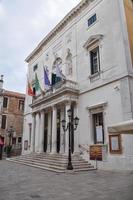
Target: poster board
[
  {"x": 99, "y": 134},
  {"x": 115, "y": 144},
  {"x": 96, "y": 152},
  {"x": 26, "y": 145}
]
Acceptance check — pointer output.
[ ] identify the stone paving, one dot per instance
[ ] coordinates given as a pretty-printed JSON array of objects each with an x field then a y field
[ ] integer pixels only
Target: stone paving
[{"x": 19, "y": 182}]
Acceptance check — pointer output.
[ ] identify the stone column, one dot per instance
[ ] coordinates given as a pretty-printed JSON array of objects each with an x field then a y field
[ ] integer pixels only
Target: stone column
[
  {"x": 37, "y": 132},
  {"x": 41, "y": 138},
  {"x": 49, "y": 133},
  {"x": 32, "y": 148},
  {"x": 62, "y": 133},
  {"x": 68, "y": 106},
  {"x": 54, "y": 129}
]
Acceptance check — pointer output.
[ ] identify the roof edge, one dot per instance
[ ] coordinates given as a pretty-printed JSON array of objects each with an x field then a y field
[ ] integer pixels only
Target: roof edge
[{"x": 58, "y": 27}]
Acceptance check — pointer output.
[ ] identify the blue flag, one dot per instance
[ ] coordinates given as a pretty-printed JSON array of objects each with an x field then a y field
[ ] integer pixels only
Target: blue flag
[
  {"x": 46, "y": 79},
  {"x": 59, "y": 73}
]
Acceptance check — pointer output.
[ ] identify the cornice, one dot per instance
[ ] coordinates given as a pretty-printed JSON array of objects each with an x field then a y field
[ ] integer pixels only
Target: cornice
[{"x": 71, "y": 15}]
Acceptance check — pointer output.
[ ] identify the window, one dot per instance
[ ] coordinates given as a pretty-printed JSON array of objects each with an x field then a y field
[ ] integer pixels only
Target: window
[
  {"x": 21, "y": 105},
  {"x": 34, "y": 91},
  {"x": 94, "y": 60},
  {"x": 98, "y": 128},
  {"x": 14, "y": 140},
  {"x": 3, "y": 123},
  {"x": 92, "y": 19},
  {"x": 5, "y": 102},
  {"x": 19, "y": 139},
  {"x": 35, "y": 67}
]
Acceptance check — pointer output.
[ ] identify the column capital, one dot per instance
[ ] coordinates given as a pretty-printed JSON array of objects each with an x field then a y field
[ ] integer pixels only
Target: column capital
[
  {"x": 54, "y": 107},
  {"x": 41, "y": 111},
  {"x": 68, "y": 103},
  {"x": 33, "y": 114}
]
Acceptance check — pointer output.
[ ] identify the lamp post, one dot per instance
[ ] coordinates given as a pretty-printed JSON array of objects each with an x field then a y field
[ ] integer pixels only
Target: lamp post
[{"x": 71, "y": 125}]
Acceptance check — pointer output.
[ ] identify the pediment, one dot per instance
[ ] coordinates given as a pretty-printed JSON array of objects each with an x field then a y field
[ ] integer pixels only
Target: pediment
[{"x": 92, "y": 40}]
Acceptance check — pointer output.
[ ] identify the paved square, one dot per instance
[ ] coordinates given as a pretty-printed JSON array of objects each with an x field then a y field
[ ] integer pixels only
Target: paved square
[{"x": 19, "y": 182}]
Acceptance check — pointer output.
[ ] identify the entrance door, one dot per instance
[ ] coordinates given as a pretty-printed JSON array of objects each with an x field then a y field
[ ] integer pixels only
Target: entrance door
[
  {"x": 45, "y": 132},
  {"x": 58, "y": 130}
]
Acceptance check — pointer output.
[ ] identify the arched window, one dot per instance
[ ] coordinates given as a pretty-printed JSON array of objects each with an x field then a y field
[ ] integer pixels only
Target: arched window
[{"x": 57, "y": 62}]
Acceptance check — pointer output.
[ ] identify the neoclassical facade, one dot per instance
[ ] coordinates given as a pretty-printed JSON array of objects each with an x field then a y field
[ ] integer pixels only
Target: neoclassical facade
[{"x": 93, "y": 48}]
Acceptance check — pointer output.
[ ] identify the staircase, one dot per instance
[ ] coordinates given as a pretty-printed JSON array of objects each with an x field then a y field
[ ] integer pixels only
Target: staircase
[
  {"x": 4, "y": 156},
  {"x": 53, "y": 162}
]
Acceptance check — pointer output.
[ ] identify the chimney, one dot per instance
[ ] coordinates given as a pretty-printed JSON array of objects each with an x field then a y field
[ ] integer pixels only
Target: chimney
[{"x": 1, "y": 82}]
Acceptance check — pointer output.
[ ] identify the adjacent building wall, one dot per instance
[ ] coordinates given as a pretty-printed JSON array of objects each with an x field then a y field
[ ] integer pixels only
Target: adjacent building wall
[
  {"x": 14, "y": 115},
  {"x": 128, "y": 4}
]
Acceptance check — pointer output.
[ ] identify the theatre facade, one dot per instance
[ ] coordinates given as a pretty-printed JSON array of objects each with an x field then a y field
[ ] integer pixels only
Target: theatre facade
[{"x": 84, "y": 65}]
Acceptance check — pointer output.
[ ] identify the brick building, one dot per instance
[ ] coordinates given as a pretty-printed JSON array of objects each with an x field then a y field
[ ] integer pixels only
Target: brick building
[{"x": 11, "y": 116}]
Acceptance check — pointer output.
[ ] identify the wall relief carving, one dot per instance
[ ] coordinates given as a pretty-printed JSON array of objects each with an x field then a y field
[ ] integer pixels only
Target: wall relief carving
[{"x": 69, "y": 63}]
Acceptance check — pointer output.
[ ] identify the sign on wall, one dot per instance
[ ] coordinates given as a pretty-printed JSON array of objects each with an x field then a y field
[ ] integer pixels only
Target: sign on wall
[
  {"x": 26, "y": 145},
  {"x": 115, "y": 144},
  {"x": 98, "y": 152}
]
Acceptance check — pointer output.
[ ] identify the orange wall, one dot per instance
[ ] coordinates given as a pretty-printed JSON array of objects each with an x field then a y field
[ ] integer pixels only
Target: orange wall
[{"x": 129, "y": 16}]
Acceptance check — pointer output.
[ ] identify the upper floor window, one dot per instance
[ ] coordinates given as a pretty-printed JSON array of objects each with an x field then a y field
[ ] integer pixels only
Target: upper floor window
[
  {"x": 94, "y": 60},
  {"x": 5, "y": 102},
  {"x": 35, "y": 67},
  {"x": 19, "y": 139},
  {"x": 3, "y": 123},
  {"x": 92, "y": 19},
  {"x": 21, "y": 105}
]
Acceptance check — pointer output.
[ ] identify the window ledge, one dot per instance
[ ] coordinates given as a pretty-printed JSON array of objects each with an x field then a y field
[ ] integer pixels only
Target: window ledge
[{"x": 96, "y": 75}]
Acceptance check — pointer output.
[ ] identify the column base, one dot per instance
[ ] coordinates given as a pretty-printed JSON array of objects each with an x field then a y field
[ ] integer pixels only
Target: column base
[
  {"x": 53, "y": 152},
  {"x": 69, "y": 166}
]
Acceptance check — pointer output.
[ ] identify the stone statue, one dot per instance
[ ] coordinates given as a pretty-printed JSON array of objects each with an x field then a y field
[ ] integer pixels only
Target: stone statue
[{"x": 69, "y": 63}]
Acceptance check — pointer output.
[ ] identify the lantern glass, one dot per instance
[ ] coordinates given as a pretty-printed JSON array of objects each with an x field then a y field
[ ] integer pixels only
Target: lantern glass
[
  {"x": 69, "y": 112},
  {"x": 63, "y": 123},
  {"x": 76, "y": 121}
]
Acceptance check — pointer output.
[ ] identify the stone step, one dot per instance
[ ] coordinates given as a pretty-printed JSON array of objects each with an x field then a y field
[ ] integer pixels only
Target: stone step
[
  {"x": 56, "y": 163},
  {"x": 61, "y": 159},
  {"x": 47, "y": 159},
  {"x": 53, "y": 156},
  {"x": 40, "y": 167},
  {"x": 44, "y": 164},
  {"x": 78, "y": 164},
  {"x": 54, "y": 168},
  {"x": 41, "y": 162}
]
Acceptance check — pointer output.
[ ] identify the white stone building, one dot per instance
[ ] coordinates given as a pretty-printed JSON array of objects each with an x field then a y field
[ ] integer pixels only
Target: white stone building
[{"x": 93, "y": 46}]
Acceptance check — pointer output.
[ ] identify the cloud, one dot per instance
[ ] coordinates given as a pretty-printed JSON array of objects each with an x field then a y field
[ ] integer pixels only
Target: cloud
[{"x": 24, "y": 24}]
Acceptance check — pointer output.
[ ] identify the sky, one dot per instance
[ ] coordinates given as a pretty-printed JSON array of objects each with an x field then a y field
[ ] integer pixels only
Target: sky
[{"x": 23, "y": 24}]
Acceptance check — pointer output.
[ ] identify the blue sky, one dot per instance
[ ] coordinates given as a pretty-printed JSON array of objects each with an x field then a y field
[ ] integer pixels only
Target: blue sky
[{"x": 23, "y": 24}]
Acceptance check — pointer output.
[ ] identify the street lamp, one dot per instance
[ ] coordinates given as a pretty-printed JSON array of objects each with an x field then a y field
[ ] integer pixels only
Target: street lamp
[{"x": 71, "y": 126}]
